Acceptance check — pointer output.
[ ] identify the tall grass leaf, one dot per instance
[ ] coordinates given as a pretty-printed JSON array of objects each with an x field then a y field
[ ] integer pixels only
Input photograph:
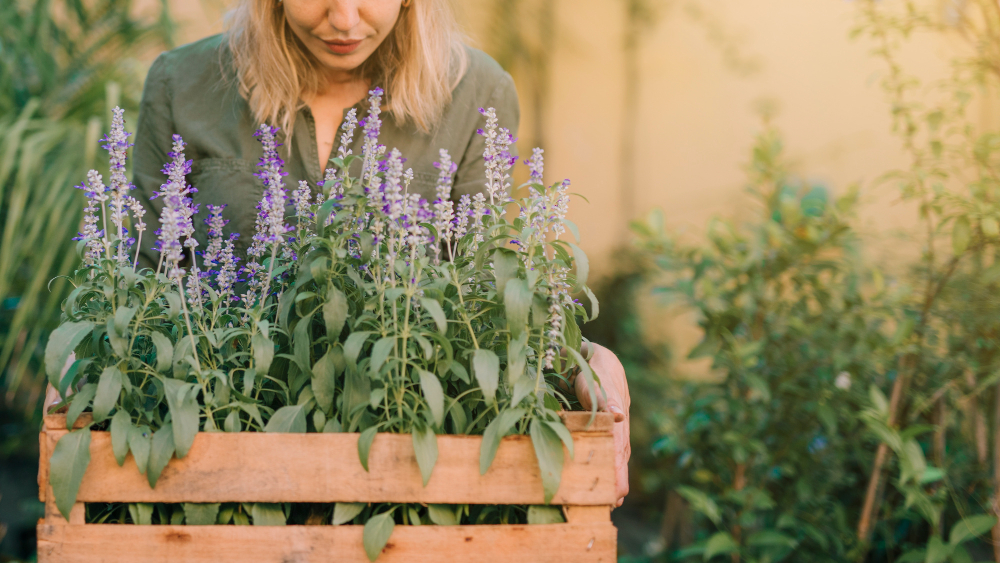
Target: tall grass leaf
[
  {"x": 66, "y": 468},
  {"x": 376, "y": 534},
  {"x": 426, "y": 450},
  {"x": 62, "y": 341},
  {"x": 549, "y": 453}
]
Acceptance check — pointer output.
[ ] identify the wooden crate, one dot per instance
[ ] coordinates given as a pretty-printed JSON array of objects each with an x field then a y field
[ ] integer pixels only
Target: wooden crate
[{"x": 324, "y": 468}]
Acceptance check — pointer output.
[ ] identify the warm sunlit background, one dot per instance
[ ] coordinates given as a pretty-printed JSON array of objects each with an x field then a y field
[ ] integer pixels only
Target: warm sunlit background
[{"x": 658, "y": 104}]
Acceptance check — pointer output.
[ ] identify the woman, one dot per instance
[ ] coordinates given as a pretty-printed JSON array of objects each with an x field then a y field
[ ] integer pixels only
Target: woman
[{"x": 302, "y": 65}]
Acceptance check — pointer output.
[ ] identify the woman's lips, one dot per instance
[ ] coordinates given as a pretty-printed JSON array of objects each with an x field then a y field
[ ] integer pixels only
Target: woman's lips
[{"x": 343, "y": 47}]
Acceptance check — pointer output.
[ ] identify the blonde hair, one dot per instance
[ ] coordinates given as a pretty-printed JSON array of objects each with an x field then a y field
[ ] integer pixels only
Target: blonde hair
[{"x": 418, "y": 64}]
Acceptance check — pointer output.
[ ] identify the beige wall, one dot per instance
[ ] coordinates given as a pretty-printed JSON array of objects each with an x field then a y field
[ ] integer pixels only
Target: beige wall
[{"x": 698, "y": 117}]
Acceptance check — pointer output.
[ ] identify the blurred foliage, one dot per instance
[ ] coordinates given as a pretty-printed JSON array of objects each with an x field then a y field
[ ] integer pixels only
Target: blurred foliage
[{"x": 62, "y": 62}]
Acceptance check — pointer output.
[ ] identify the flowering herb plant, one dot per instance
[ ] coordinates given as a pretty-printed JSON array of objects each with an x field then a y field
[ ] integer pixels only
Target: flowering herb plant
[{"x": 362, "y": 309}]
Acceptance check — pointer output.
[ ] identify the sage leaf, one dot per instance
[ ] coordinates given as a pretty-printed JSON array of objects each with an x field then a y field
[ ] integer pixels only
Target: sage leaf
[
  {"x": 160, "y": 451},
  {"x": 263, "y": 352},
  {"x": 141, "y": 513},
  {"x": 353, "y": 345},
  {"x": 139, "y": 441},
  {"x": 380, "y": 353},
  {"x": 232, "y": 422},
  {"x": 78, "y": 403},
  {"x": 200, "y": 514},
  {"x": 109, "y": 386},
  {"x": 970, "y": 528},
  {"x": 701, "y": 502},
  {"x": 288, "y": 419},
  {"x": 505, "y": 267},
  {"x": 344, "y": 512},
  {"x": 66, "y": 468},
  {"x": 182, "y": 400},
  {"x": 365, "y": 445},
  {"x": 164, "y": 351},
  {"x": 334, "y": 312},
  {"x": 442, "y": 514},
  {"x": 538, "y": 514},
  {"x": 549, "y": 452},
  {"x": 434, "y": 309},
  {"x": 486, "y": 367},
  {"x": 302, "y": 344},
  {"x": 123, "y": 317},
  {"x": 376, "y": 534},
  {"x": 517, "y": 301},
  {"x": 79, "y": 366},
  {"x": 560, "y": 429},
  {"x": 426, "y": 449},
  {"x": 324, "y": 382},
  {"x": 582, "y": 266},
  {"x": 62, "y": 342},
  {"x": 496, "y": 430},
  {"x": 431, "y": 387},
  {"x": 121, "y": 427},
  {"x": 268, "y": 514}
]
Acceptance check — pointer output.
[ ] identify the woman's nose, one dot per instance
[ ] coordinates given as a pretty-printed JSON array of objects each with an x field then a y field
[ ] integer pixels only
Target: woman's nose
[{"x": 344, "y": 15}]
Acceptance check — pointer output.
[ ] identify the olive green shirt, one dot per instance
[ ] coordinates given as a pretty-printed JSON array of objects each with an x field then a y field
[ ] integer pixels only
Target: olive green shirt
[{"x": 192, "y": 91}]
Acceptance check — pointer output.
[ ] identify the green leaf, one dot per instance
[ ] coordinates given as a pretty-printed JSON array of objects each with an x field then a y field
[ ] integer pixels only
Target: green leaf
[
  {"x": 344, "y": 512},
  {"x": 442, "y": 514},
  {"x": 582, "y": 266},
  {"x": 719, "y": 544},
  {"x": 160, "y": 451},
  {"x": 496, "y": 430},
  {"x": 109, "y": 386},
  {"x": 139, "y": 441},
  {"x": 961, "y": 235},
  {"x": 141, "y": 513},
  {"x": 771, "y": 538},
  {"x": 66, "y": 468},
  {"x": 62, "y": 342},
  {"x": 182, "y": 400},
  {"x": 431, "y": 387},
  {"x": 937, "y": 551},
  {"x": 538, "y": 514},
  {"x": 560, "y": 429},
  {"x": 486, "y": 367},
  {"x": 436, "y": 312},
  {"x": 302, "y": 344},
  {"x": 878, "y": 400},
  {"x": 960, "y": 555},
  {"x": 426, "y": 449},
  {"x": 380, "y": 353},
  {"x": 123, "y": 316},
  {"x": 268, "y": 514},
  {"x": 971, "y": 527},
  {"x": 701, "y": 502},
  {"x": 505, "y": 267},
  {"x": 353, "y": 345},
  {"x": 913, "y": 556},
  {"x": 324, "y": 382},
  {"x": 80, "y": 401},
  {"x": 334, "y": 312},
  {"x": 517, "y": 301},
  {"x": 164, "y": 351},
  {"x": 263, "y": 352},
  {"x": 200, "y": 514},
  {"x": 549, "y": 452},
  {"x": 376, "y": 535},
  {"x": 365, "y": 445},
  {"x": 288, "y": 419},
  {"x": 121, "y": 427}
]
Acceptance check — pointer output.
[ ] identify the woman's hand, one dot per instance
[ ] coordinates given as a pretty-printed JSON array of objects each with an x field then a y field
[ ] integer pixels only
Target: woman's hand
[{"x": 610, "y": 372}]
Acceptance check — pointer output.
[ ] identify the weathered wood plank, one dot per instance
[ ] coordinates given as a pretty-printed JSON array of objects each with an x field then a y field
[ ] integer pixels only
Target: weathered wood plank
[
  {"x": 587, "y": 514},
  {"x": 43, "y": 466},
  {"x": 107, "y": 543},
  {"x": 262, "y": 467},
  {"x": 77, "y": 514},
  {"x": 575, "y": 421}
]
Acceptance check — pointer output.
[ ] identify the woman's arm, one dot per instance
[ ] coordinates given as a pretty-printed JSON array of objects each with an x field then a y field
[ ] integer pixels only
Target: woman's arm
[{"x": 611, "y": 374}]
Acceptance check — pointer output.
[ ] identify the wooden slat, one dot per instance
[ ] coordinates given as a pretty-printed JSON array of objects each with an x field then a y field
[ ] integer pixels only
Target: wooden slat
[
  {"x": 43, "y": 466},
  {"x": 587, "y": 514},
  {"x": 263, "y": 467},
  {"x": 77, "y": 514},
  {"x": 575, "y": 421},
  {"x": 107, "y": 543}
]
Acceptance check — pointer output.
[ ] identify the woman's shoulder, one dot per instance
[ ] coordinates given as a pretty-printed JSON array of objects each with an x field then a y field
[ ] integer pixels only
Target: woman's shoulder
[
  {"x": 484, "y": 82},
  {"x": 205, "y": 60}
]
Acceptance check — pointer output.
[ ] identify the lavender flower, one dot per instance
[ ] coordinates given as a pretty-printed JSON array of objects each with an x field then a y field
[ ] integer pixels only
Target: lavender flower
[
  {"x": 271, "y": 173},
  {"x": 560, "y": 207},
  {"x": 393, "y": 190},
  {"x": 94, "y": 190},
  {"x": 536, "y": 164},
  {"x": 497, "y": 156},
  {"x": 175, "y": 218},
  {"x": 226, "y": 276},
  {"x": 301, "y": 197},
  {"x": 215, "y": 224},
  {"x": 117, "y": 145},
  {"x": 332, "y": 181},
  {"x": 443, "y": 206},
  {"x": 370, "y": 151},
  {"x": 462, "y": 216},
  {"x": 558, "y": 297}
]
